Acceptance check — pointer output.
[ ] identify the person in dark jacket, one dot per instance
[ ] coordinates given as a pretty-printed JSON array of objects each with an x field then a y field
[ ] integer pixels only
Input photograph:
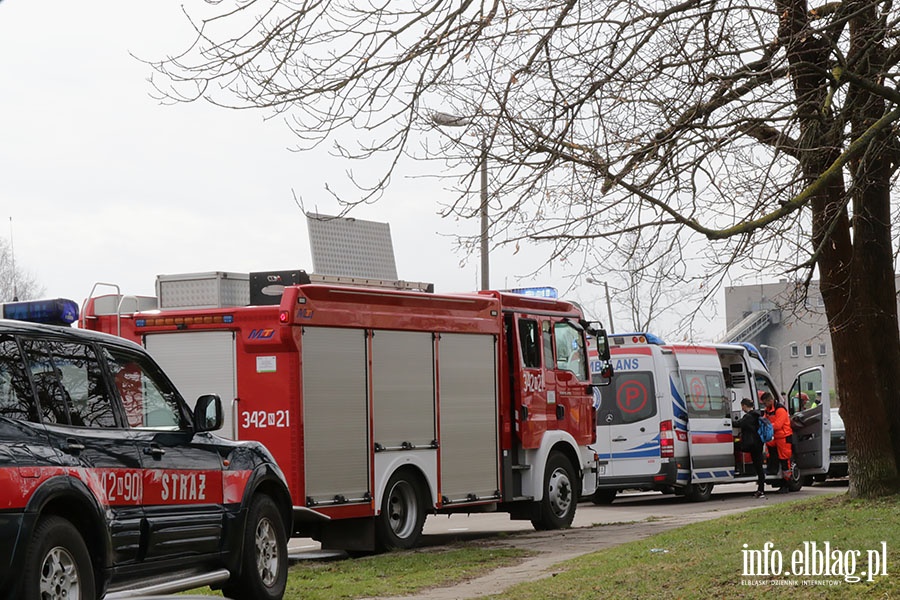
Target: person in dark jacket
[{"x": 751, "y": 442}]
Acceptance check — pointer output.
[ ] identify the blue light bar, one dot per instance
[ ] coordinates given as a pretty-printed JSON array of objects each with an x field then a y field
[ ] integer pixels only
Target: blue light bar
[
  {"x": 650, "y": 337},
  {"x": 57, "y": 311},
  {"x": 538, "y": 292}
]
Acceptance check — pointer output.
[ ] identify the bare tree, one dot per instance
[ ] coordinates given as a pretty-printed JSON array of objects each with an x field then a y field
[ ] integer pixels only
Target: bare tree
[
  {"x": 14, "y": 282},
  {"x": 738, "y": 123}
]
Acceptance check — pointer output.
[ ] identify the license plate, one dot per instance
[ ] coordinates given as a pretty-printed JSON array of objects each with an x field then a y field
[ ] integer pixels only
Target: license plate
[
  {"x": 838, "y": 458},
  {"x": 601, "y": 469}
]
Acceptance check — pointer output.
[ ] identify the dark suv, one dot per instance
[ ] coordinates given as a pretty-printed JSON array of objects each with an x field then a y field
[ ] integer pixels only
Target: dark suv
[{"x": 109, "y": 482}]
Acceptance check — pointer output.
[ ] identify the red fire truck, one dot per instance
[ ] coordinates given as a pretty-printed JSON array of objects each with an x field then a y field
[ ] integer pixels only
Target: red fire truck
[{"x": 382, "y": 405}]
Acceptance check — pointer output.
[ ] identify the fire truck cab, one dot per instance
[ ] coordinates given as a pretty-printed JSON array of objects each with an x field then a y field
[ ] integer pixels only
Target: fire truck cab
[
  {"x": 668, "y": 421},
  {"x": 383, "y": 405}
]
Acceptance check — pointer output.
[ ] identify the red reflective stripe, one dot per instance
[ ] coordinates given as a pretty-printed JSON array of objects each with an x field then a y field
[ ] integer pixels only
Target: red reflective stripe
[
  {"x": 17, "y": 487},
  {"x": 693, "y": 350},
  {"x": 174, "y": 487},
  {"x": 234, "y": 484},
  {"x": 711, "y": 438},
  {"x": 128, "y": 487},
  {"x": 625, "y": 350}
]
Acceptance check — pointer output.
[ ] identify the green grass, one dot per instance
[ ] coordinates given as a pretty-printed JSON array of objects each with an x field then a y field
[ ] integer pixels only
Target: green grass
[
  {"x": 393, "y": 574},
  {"x": 701, "y": 561},
  {"x": 704, "y": 560}
]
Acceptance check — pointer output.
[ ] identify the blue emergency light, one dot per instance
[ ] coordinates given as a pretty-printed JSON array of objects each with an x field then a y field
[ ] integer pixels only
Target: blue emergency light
[
  {"x": 537, "y": 292},
  {"x": 57, "y": 311}
]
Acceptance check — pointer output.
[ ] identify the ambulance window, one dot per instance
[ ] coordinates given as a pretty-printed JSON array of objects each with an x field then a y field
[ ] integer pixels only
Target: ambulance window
[
  {"x": 70, "y": 385},
  {"x": 705, "y": 394},
  {"x": 16, "y": 397},
  {"x": 148, "y": 399},
  {"x": 529, "y": 339},
  {"x": 630, "y": 398},
  {"x": 570, "y": 353},
  {"x": 763, "y": 384}
]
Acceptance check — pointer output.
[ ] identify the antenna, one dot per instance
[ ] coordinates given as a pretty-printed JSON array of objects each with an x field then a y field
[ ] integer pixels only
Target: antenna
[{"x": 12, "y": 251}]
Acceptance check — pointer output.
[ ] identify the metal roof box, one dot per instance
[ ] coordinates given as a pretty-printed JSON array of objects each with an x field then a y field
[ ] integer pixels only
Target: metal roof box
[{"x": 214, "y": 289}]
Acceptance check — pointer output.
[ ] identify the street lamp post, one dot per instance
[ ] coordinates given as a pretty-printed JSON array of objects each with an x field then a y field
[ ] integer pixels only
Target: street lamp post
[
  {"x": 448, "y": 120},
  {"x": 593, "y": 281},
  {"x": 780, "y": 366},
  {"x": 780, "y": 362}
]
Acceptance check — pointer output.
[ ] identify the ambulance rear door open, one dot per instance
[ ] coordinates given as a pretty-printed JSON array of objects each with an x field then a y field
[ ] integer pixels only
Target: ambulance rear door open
[
  {"x": 812, "y": 426},
  {"x": 709, "y": 427}
]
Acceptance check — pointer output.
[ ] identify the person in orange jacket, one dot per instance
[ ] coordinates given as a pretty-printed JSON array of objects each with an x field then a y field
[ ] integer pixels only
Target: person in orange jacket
[{"x": 780, "y": 446}]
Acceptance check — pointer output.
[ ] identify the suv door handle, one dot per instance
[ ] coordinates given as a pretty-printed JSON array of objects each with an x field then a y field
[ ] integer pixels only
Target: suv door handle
[
  {"x": 154, "y": 450},
  {"x": 73, "y": 447}
]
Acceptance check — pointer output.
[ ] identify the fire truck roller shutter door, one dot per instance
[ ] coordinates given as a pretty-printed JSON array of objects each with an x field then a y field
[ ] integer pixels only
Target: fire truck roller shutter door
[
  {"x": 468, "y": 409},
  {"x": 335, "y": 413},
  {"x": 200, "y": 362},
  {"x": 403, "y": 389}
]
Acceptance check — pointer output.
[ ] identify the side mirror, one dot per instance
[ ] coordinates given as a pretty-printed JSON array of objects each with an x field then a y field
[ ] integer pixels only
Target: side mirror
[
  {"x": 208, "y": 414},
  {"x": 603, "y": 376},
  {"x": 599, "y": 340}
]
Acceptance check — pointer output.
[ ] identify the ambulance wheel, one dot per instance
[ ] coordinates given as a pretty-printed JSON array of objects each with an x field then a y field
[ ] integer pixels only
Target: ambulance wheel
[
  {"x": 699, "y": 492},
  {"x": 557, "y": 507},
  {"x": 602, "y": 497},
  {"x": 57, "y": 563},
  {"x": 264, "y": 561},
  {"x": 795, "y": 483},
  {"x": 399, "y": 526}
]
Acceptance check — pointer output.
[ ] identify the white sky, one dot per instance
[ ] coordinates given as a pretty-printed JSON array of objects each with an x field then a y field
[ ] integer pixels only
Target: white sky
[{"x": 103, "y": 183}]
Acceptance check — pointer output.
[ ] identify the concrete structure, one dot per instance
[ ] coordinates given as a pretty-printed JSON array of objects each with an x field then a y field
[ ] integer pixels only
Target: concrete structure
[{"x": 787, "y": 323}]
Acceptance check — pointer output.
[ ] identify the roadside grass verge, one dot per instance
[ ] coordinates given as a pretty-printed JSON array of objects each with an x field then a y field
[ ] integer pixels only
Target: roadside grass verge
[
  {"x": 699, "y": 561},
  {"x": 705, "y": 560},
  {"x": 392, "y": 574}
]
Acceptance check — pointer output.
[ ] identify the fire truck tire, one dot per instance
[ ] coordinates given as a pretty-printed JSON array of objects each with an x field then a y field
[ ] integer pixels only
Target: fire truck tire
[
  {"x": 264, "y": 561},
  {"x": 399, "y": 526},
  {"x": 602, "y": 497},
  {"x": 557, "y": 508},
  {"x": 699, "y": 492},
  {"x": 57, "y": 563}
]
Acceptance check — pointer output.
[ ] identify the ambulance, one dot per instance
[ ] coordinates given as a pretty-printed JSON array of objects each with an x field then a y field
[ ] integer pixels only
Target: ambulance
[{"x": 668, "y": 420}]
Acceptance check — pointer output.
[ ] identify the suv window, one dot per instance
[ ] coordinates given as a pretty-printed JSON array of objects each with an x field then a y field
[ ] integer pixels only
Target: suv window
[
  {"x": 16, "y": 396},
  {"x": 69, "y": 384},
  {"x": 149, "y": 400}
]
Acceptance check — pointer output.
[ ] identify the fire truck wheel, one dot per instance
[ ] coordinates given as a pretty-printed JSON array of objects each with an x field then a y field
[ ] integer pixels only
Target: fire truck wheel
[
  {"x": 602, "y": 497},
  {"x": 264, "y": 561},
  {"x": 399, "y": 526},
  {"x": 557, "y": 508},
  {"x": 57, "y": 563},
  {"x": 699, "y": 492}
]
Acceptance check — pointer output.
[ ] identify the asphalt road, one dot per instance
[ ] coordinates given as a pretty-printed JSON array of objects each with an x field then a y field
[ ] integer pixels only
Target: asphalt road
[{"x": 628, "y": 507}]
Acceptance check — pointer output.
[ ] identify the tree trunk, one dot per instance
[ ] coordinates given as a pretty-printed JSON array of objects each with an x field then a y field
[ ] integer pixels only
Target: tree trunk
[{"x": 856, "y": 271}]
